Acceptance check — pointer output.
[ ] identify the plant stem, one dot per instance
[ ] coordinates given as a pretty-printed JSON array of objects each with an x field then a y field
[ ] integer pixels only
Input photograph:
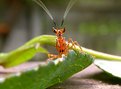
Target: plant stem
[
  {"x": 101, "y": 55},
  {"x": 51, "y": 41},
  {"x": 98, "y": 55}
]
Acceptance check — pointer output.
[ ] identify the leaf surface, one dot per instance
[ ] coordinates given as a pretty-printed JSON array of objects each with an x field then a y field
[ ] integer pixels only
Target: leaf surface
[
  {"x": 48, "y": 74},
  {"x": 111, "y": 67}
]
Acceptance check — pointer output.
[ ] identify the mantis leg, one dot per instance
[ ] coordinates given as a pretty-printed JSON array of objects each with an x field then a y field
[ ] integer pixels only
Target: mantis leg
[{"x": 74, "y": 44}]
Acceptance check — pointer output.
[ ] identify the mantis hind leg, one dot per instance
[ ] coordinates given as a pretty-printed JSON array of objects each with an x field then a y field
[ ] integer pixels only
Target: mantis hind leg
[{"x": 52, "y": 56}]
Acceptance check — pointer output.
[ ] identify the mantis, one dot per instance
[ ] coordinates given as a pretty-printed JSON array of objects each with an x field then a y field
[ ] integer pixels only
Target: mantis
[{"x": 62, "y": 46}]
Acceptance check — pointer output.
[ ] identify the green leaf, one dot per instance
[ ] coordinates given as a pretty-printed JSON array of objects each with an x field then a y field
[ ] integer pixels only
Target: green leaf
[
  {"x": 48, "y": 74},
  {"x": 27, "y": 51},
  {"x": 110, "y": 67},
  {"x": 22, "y": 55}
]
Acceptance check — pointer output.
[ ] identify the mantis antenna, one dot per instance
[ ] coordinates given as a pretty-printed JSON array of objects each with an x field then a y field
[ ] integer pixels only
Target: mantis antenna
[
  {"x": 40, "y": 3},
  {"x": 70, "y": 4}
]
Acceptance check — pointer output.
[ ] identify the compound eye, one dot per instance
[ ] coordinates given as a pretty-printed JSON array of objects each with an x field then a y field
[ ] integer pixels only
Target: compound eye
[
  {"x": 63, "y": 30},
  {"x": 54, "y": 30}
]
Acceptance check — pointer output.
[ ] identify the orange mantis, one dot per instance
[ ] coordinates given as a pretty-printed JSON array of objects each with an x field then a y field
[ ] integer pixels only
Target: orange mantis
[{"x": 62, "y": 45}]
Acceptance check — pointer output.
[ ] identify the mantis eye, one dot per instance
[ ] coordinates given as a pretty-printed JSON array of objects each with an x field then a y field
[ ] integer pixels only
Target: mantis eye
[
  {"x": 63, "y": 30},
  {"x": 54, "y": 30}
]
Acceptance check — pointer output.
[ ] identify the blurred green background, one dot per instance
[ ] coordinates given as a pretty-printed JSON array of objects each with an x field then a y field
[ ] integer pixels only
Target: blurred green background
[{"x": 95, "y": 24}]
